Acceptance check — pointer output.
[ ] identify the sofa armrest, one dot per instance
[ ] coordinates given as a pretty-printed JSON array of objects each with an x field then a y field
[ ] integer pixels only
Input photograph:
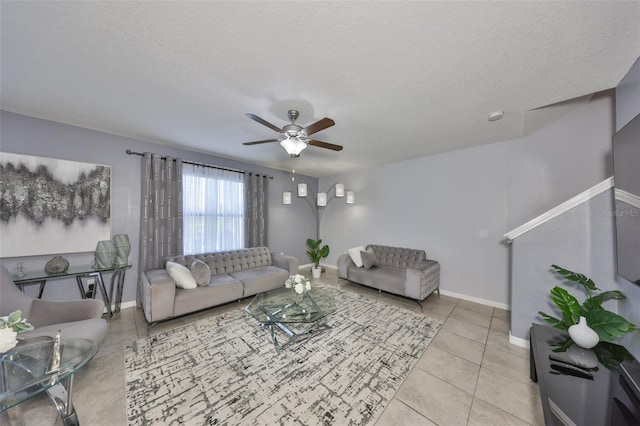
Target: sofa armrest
[
  {"x": 49, "y": 312},
  {"x": 157, "y": 294},
  {"x": 344, "y": 261},
  {"x": 423, "y": 278},
  {"x": 288, "y": 263}
]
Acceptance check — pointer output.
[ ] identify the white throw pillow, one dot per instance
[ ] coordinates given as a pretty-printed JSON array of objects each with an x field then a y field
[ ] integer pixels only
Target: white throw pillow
[
  {"x": 181, "y": 275},
  {"x": 356, "y": 257}
]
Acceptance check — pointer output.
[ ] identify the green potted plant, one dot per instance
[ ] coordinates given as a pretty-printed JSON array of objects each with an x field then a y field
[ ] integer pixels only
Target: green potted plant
[
  {"x": 316, "y": 252},
  {"x": 606, "y": 324}
]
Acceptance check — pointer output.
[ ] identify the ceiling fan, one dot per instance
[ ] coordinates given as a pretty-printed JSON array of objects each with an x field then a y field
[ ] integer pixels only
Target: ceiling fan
[{"x": 296, "y": 138}]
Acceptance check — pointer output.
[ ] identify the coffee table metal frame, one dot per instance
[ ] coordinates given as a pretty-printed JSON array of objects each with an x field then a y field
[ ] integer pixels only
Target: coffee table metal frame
[
  {"x": 275, "y": 317},
  {"x": 35, "y": 379}
]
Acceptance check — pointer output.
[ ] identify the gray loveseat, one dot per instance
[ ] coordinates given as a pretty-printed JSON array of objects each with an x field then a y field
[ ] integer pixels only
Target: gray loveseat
[
  {"x": 396, "y": 270},
  {"x": 234, "y": 274}
]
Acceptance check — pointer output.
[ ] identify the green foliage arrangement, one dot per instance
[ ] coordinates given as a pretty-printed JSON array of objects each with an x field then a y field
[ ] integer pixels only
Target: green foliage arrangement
[
  {"x": 317, "y": 251},
  {"x": 607, "y": 324},
  {"x": 14, "y": 322}
]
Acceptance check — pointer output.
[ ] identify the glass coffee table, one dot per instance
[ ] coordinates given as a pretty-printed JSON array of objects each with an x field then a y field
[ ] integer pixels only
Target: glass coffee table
[
  {"x": 293, "y": 316},
  {"x": 25, "y": 373}
]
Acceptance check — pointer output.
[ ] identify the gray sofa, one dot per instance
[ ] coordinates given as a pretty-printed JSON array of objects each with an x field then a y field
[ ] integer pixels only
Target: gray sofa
[
  {"x": 234, "y": 274},
  {"x": 396, "y": 270}
]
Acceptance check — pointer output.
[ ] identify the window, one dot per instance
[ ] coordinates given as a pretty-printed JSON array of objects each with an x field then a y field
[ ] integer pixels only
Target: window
[{"x": 213, "y": 209}]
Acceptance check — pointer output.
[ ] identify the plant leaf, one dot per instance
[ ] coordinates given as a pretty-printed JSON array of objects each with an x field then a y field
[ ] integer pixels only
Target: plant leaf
[
  {"x": 555, "y": 322},
  {"x": 576, "y": 277},
  {"x": 611, "y": 355},
  {"x": 567, "y": 304},
  {"x": 608, "y": 325},
  {"x": 608, "y": 295},
  {"x": 14, "y": 316}
]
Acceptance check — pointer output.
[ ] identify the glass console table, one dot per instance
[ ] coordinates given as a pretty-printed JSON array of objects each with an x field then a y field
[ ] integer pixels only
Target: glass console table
[
  {"x": 81, "y": 273},
  {"x": 24, "y": 374}
]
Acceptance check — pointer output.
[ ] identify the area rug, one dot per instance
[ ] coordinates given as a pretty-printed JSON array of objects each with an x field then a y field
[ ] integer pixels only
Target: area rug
[{"x": 224, "y": 370}]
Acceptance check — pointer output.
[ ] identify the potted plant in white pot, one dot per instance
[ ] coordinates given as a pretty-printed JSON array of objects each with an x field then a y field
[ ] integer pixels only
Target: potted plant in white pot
[
  {"x": 316, "y": 252},
  {"x": 606, "y": 326}
]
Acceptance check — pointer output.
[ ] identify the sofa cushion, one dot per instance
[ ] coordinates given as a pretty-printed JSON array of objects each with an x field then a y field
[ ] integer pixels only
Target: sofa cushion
[
  {"x": 355, "y": 255},
  {"x": 201, "y": 272},
  {"x": 368, "y": 258},
  {"x": 226, "y": 262},
  {"x": 221, "y": 289},
  {"x": 258, "y": 280},
  {"x": 181, "y": 275},
  {"x": 397, "y": 257},
  {"x": 381, "y": 277}
]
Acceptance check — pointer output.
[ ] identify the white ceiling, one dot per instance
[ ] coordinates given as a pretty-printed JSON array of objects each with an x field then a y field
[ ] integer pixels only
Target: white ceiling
[{"x": 400, "y": 79}]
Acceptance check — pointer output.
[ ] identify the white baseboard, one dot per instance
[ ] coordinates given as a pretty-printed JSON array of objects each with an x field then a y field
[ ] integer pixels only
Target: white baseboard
[
  {"x": 476, "y": 300},
  {"x": 517, "y": 341},
  {"x": 323, "y": 265},
  {"x": 123, "y": 305}
]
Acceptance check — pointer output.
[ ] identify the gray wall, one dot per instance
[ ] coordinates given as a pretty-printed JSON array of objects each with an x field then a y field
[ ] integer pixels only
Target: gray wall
[
  {"x": 581, "y": 240},
  {"x": 458, "y": 205},
  {"x": 627, "y": 107},
  {"x": 31, "y": 136}
]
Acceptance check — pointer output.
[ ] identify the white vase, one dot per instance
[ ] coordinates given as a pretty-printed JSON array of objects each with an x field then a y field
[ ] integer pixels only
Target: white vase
[
  {"x": 316, "y": 272},
  {"x": 583, "y": 335},
  {"x": 7, "y": 339}
]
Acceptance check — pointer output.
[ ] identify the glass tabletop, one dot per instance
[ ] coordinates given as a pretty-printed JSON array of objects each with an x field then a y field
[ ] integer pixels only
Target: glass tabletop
[
  {"x": 72, "y": 270},
  {"x": 285, "y": 306},
  {"x": 23, "y": 369}
]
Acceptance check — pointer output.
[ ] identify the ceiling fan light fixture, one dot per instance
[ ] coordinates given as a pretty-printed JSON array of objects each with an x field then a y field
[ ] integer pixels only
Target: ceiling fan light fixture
[{"x": 293, "y": 146}]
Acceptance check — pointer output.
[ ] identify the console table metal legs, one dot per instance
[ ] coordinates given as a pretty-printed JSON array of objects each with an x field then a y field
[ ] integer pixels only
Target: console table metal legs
[
  {"x": 117, "y": 285},
  {"x": 90, "y": 293}
]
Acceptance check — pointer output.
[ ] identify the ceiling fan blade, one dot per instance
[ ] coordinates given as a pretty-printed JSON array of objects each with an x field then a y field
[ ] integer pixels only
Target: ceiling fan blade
[
  {"x": 318, "y": 125},
  {"x": 264, "y": 122},
  {"x": 325, "y": 145},
  {"x": 262, "y": 141}
]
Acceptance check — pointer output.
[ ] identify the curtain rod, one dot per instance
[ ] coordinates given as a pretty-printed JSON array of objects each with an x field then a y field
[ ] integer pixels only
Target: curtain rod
[{"x": 128, "y": 151}]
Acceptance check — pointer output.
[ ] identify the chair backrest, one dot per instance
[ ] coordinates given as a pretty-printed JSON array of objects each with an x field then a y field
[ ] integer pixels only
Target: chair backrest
[{"x": 11, "y": 298}]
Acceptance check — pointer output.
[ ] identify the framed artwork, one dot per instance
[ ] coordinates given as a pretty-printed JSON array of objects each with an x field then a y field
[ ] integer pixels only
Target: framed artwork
[{"x": 51, "y": 206}]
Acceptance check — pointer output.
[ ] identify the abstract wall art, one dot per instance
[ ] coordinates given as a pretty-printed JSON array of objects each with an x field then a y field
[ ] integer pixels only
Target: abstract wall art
[{"x": 52, "y": 206}]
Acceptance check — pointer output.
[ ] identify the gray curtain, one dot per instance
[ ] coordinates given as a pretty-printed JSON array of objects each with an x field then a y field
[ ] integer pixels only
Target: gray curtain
[
  {"x": 160, "y": 211},
  {"x": 256, "y": 210}
]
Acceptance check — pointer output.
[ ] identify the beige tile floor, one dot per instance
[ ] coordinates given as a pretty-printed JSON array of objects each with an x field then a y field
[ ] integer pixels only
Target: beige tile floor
[{"x": 469, "y": 374}]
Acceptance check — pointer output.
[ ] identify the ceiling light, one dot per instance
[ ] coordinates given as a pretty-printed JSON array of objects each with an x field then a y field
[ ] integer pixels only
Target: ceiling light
[
  {"x": 286, "y": 197},
  {"x": 496, "y": 115},
  {"x": 351, "y": 197},
  {"x": 302, "y": 190},
  {"x": 293, "y": 146}
]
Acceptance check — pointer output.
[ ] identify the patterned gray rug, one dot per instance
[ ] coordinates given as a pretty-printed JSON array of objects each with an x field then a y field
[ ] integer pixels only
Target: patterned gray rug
[{"x": 224, "y": 370}]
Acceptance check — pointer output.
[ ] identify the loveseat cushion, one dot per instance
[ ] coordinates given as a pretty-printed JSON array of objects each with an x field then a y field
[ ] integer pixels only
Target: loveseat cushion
[
  {"x": 380, "y": 277},
  {"x": 221, "y": 289},
  {"x": 369, "y": 259},
  {"x": 397, "y": 257},
  {"x": 261, "y": 279}
]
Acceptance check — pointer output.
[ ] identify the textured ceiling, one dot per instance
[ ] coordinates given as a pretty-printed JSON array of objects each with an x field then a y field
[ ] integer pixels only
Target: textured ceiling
[{"x": 400, "y": 79}]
